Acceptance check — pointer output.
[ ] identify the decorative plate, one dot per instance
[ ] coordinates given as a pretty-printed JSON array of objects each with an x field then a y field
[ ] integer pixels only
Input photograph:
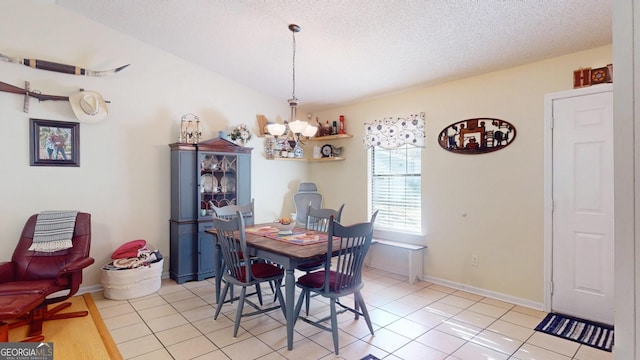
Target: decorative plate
[{"x": 208, "y": 182}]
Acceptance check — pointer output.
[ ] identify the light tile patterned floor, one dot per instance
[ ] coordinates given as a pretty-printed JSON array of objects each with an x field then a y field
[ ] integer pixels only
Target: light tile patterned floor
[{"x": 411, "y": 321}]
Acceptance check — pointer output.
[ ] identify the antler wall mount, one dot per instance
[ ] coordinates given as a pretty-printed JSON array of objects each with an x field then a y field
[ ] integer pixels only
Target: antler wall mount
[{"x": 58, "y": 67}]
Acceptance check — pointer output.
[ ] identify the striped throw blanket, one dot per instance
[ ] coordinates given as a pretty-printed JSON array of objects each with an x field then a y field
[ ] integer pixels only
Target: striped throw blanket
[{"x": 54, "y": 230}]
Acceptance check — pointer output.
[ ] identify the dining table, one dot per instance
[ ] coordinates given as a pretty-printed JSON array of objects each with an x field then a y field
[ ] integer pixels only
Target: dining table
[{"x": 286, "y": 250}]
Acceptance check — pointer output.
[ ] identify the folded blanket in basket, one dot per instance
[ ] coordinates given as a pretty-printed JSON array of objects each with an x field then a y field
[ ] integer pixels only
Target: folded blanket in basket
[{"x": 53, "y": 231}]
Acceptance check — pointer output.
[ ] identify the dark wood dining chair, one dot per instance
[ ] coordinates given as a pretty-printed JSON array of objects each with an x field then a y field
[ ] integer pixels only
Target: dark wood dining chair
[
  {"x": 238, "y": 272},
  {"x": 318, "y": 220},
  {"x": 342, "y": 275}
]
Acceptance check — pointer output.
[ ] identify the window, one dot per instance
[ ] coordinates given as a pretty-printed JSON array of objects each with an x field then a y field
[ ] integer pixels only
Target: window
[
  {"x": 395, "y": 190},
  {"x": 395, "y": 159}
]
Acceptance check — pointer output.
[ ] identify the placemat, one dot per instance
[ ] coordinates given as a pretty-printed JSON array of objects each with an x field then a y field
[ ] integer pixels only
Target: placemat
[{"x": 297, "y": 237}]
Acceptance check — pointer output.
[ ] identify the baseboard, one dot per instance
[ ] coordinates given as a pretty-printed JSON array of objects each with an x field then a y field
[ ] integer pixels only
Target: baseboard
[
  {"x": 389, "y": 260},
  {"x": 486, "y": 293}
]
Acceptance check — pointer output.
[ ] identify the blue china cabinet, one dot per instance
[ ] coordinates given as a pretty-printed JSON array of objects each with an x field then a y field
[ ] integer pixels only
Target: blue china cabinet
[{"x": 213, "y": 172}]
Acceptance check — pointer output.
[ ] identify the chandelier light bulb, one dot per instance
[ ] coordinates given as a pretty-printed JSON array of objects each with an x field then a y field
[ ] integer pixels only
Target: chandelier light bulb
[
  {"x": 276, "y": 129},
  {"x": 297, "y": 126},
  {"x": 309, "y": 131}
]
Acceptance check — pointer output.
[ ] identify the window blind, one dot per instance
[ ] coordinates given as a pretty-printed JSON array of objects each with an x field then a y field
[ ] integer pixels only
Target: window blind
[{"x": 395, "y": 188}]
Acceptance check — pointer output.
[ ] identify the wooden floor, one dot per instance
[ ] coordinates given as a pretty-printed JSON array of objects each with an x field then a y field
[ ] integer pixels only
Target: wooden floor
[{"x": 77, "y": 338}]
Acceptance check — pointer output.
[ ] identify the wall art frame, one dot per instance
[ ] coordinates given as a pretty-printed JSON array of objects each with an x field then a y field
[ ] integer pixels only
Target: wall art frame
[
  {"x": 477, "y": 136},
  {"x": 54, "y": 143}
]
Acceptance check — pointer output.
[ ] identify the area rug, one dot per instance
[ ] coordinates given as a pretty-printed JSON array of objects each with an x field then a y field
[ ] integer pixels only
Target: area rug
[
  {"x": 369, "y": 357},
  {"x": 599, "y": 336},
  {"x": 77, "y": 338}
]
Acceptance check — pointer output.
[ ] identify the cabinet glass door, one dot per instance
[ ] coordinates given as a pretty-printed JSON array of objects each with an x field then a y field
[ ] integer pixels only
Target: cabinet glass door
[{"x": 218, "y": 181}]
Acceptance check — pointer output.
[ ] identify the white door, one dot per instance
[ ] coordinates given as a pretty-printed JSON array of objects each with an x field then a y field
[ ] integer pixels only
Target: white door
[{"x": 582, "y": 242}]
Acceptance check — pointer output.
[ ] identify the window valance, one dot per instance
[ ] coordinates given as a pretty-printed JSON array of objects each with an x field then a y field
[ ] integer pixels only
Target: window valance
[{"x": 391, "y": 133}]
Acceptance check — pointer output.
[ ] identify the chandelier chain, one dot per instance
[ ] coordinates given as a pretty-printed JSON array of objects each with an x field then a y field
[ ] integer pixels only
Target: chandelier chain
[{"x": 293, "y": 34}]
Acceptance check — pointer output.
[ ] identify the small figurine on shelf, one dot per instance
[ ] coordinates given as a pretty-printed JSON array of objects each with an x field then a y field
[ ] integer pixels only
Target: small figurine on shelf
[
  {"x": 316, "y": 152},
  {"x": 342, "y": 130},
  {"x": 319, "y": 132},
  {"x": 190, "y": 133},
  {"x": 240, "y": 134},
  {"x": 326, "y": 129}
]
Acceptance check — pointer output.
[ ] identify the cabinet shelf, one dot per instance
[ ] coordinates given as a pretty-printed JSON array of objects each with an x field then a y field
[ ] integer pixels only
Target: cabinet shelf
[{"x": 334, "y": 158}]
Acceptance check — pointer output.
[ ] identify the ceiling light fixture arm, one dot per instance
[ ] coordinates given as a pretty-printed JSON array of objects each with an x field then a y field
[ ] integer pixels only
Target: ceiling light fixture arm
[{"x": 293, "y": 102}]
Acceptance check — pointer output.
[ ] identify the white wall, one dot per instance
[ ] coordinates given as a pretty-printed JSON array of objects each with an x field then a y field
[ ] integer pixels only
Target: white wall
[
  {"x": 501, "y": 192},
  {"x": 123, "y": 178},
  {"x": 626, "y": 98}
]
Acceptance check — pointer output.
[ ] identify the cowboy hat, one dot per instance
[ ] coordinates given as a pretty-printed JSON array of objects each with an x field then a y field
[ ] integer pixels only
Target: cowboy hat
[{"x": 89, "y": 106}]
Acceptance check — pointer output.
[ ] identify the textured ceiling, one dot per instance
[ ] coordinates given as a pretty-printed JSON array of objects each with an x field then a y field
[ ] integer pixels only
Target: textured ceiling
[{"x": 358, "y": 49}]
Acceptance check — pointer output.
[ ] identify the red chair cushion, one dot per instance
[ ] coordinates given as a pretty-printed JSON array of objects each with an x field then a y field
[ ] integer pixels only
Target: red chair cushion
[
  {"x": 310, "y": 266},
  {"x": 315, "y": 280},
  {"x": 261, "y": 271},
  {"x": 29, "y": 287}
]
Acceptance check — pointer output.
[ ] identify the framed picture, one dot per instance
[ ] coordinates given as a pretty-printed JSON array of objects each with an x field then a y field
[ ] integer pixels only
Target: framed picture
[{"x": 54, "y": 143}]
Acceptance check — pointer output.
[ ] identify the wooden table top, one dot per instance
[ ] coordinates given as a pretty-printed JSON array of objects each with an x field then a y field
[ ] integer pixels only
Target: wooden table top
[{"x": 282, "y": 247}]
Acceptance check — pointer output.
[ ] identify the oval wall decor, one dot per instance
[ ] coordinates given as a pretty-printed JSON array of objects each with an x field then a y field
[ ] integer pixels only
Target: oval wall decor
[{"x": 477, "y": 136}]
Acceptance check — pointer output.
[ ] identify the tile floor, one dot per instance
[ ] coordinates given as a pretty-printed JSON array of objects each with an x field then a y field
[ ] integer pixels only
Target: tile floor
[{"x": 411, "y": 321}]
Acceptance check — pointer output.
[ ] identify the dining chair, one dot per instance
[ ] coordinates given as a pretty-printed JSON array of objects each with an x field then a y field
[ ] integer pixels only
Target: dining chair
[
  {"x": 342, "y": 275},
  {"x": 307, "y": 195},
  {"x": 238, "y": 272},
  {"x": 231, "y": 212},
  {"x": 318, "y": 220}
]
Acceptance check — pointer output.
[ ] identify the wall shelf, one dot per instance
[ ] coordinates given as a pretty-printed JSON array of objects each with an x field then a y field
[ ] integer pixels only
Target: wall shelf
[
  {"x": 315, "y": 138},
  {"x": 331, "y": 137},
  {"x": 334, "y": 158}
]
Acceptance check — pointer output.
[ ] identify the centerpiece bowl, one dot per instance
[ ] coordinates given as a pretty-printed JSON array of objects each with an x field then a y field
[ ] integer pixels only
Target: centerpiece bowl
[{"x": 285, "y": 226}]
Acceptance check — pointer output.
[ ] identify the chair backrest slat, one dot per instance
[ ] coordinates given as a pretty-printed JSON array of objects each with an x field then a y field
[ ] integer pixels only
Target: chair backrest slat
[
  {"x": 352, "y": 244},
  {"x": 233, "y": 245},
  {"x": 231, "y": 211},
  {"x": 318, "y": 219}
]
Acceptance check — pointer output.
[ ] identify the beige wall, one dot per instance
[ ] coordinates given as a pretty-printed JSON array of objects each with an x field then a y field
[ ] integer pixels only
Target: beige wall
[
  {"x": 123, "y": 178},
  {"x": 501, "y": 192},
  {"x": 124, "y": 175}
]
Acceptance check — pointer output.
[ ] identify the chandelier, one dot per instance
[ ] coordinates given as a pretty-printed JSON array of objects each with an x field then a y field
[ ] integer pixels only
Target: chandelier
[{"x": 294, "y": 128}]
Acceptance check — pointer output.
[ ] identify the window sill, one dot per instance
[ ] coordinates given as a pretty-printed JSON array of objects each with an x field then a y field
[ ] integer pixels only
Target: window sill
[{"x": 408, "y": 238}]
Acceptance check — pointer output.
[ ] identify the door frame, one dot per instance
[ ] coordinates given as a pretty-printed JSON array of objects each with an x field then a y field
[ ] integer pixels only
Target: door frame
[{"x": 548, "y": 178}]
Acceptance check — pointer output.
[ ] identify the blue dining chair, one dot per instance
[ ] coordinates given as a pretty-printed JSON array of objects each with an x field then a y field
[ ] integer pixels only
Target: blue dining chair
[
  {"x": 231, "y": 212},
  {"x": 342, "y": 275},
  {"x": 238, "y": 272},
  {"x": 307, "y": 195},
  {"x": 318, "y": 220}
]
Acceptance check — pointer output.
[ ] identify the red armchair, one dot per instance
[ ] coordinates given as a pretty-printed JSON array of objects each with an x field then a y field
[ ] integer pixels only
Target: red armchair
[{"x": 56, "y": 275}]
